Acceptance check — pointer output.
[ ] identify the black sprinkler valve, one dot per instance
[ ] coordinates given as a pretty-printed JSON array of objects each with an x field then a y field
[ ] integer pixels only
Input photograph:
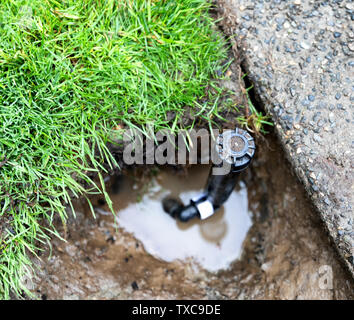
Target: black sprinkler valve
[{"x": 236, "y": 150}]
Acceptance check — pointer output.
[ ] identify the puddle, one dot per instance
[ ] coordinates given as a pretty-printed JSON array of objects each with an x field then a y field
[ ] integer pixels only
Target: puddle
[
  {"x": 213, "y": 243},
  {"x": 286, "y": 253}
]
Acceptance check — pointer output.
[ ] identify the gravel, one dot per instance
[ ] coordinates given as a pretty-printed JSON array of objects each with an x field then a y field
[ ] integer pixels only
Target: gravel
[{"x": 307, "y": 67}]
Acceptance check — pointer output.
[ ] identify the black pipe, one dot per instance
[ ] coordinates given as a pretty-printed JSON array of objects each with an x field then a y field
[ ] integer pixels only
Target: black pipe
[{"x": 236, "y": 150}]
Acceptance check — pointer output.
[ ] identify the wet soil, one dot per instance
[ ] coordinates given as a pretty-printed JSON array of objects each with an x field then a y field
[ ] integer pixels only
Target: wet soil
[{"x": 286, "y": 254}]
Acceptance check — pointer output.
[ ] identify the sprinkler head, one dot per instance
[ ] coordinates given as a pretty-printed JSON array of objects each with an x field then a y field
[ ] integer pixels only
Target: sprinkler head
[{"x": 236, "y": 147}]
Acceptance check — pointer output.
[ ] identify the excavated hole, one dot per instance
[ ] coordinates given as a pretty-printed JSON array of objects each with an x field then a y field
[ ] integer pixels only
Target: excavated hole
[{"x": 265, "y": 243}]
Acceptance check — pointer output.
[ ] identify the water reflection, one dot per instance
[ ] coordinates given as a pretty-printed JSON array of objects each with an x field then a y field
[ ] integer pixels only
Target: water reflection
[{"x": 213, "y": 243}]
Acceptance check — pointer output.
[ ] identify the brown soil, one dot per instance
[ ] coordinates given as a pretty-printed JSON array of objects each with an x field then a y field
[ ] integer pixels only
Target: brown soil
[{"x": 287, "y": 255}]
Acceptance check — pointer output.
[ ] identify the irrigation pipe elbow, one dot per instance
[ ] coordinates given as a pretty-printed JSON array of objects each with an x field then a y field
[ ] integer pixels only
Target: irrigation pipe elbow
[{"x": 235, "y": 148}]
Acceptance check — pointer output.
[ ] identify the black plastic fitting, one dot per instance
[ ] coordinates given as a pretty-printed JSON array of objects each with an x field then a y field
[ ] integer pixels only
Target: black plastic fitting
[{"x": 235, "y": 148}]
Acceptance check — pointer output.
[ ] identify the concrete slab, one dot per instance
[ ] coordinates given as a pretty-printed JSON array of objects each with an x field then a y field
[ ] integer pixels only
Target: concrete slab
[{"x": 300, "y": 57}]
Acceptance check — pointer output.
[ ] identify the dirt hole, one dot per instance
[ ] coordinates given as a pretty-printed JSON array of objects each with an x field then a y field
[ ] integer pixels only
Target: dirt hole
[{"x": 266, "y": 243}]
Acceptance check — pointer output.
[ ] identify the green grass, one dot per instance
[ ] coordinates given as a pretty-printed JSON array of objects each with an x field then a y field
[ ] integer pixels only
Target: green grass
[
  {"x": 253, "y": 119},
  {"x": 73, "y": 71}
]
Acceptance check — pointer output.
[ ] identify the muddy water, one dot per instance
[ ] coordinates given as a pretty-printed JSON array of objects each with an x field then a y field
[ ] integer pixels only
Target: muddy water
[
  {"x": 213, "y": 243},
  {"x": 284, "y": 254}
]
